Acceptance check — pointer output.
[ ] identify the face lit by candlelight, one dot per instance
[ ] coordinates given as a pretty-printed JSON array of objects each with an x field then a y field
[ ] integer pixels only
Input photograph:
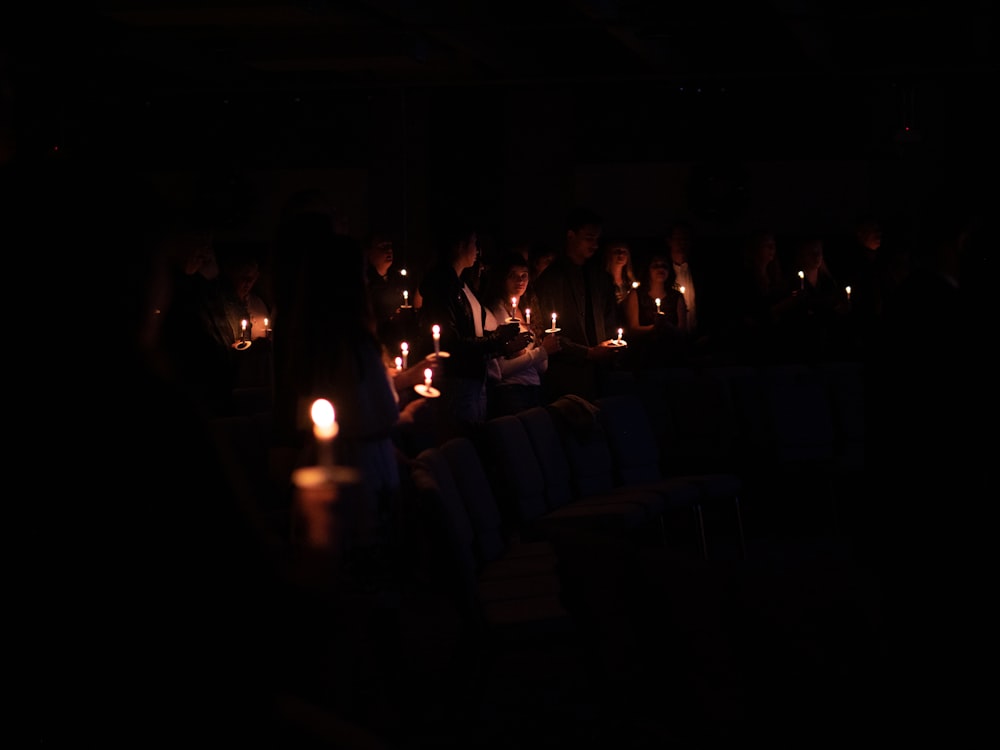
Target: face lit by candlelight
[{"x": 516, "y": 282}]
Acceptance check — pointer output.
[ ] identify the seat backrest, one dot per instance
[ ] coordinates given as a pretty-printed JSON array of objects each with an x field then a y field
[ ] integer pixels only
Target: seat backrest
[
  {"x": 551, "y": 455},
  {"x": 631, "y": 440},
  {"x": 800, "y": 420},
  {"x": 514, "y": 471},
  {"x": 452, "y": 534},
  {"x": 704, "y": 425},
  {"x": 477, "y": 496},
  {"x": 578, "y": 425}
]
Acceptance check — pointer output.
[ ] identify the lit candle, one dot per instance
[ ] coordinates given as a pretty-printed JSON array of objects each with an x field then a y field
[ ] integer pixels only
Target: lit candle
[
  {"x": 405, "y": 348},
  {"x": 436, "y": 334},
  {"x": 402, "y": 272},
  {"x": 399, "y": 364},
  {"x": 620, "y": 332},
  {"x": 802, "y": 280},
  {"x": 267, "y": 325},
  {"x": 243, "y": 329},
  {"x": 682, "y": 290},
  {"x": 635, "y": 284},
  {"x": 527, "y": 316},
  {"x": 553, "y": 321},
  {"x": 406, "y": 298},
  {"x": 848, "y": 290},
  {"x": 427, "y": 378},
  {"x": 513, "y": 307},
  {"x": 657, "y": 300},
  {"x": 325, "y": 429}
]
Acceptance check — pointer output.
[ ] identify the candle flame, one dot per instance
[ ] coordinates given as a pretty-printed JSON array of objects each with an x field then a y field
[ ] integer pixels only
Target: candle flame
[
  {"x": 324, "y": 419},
  {"x": 436, "y": 330},
  {"x": 682, "y": 290},
  {"x": 427, "y": 377},
  {"x": 404, "y": 347},
  {"x": 802, "y": 274}
]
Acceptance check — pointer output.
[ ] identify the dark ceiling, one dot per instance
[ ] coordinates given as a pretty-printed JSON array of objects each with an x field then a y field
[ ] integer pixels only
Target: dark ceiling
[
  {"x": 836, "y": 72},
  {"x": 350, "y": 43}
]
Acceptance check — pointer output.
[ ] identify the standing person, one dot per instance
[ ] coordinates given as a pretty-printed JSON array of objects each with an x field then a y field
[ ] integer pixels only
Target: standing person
[
  {"x": 658, "y": 330},
  {"x": 618, "y": 262},
  {"x": 515, "y": 382},
  {"x": 469, "y": 334},
  {"x": 326, "y": 348},
  {"x": 578, "y": 289},
  {"x": 685, "y": 273},
  {"x": 392, "y": 308}
]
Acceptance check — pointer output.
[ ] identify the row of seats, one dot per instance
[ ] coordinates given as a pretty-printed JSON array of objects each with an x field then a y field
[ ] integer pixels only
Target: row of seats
[{"x": 658, "y": 446}]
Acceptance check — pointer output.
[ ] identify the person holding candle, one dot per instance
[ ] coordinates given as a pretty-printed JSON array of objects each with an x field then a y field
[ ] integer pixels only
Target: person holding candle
[
  {"x": 657, "y": 331},
  {"x": 469, "y": 330},
  {"x": 577, "y": 287},
  {"x": 335, "y": 355},
  {"x": 618, "y": 262},
  {"x": 393, "y": 321},
  {"x": 515, "y": 382},
  {"x": 819, "y": 302}
]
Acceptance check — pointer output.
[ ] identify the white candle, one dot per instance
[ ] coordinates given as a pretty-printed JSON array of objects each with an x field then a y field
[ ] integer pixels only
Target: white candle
[
  {"x": 553, "y": 321},
  {"x": 267, "y": 324},
  {"x": 802, "y": 280},
  {"x": 513, "y": 307},
  {"x": 325, "y": 429},
  {"x": 405, "y": 348},
  {"x": 527, "y": 315},
  {"x": 620, "y": 332},
  {"x": 399, "y": 364},
  {"x": 406, "y": 298},
  {"x": 848, "y": 290},
  {"x": 436, "y": 334},
  {"x": 657, "y": 300},
  {"x": 243, "y": 329},
  {"x": 427, "y": 378}
]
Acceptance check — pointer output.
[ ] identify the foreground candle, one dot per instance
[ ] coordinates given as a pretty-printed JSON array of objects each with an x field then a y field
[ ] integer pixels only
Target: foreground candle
[
  {"x": 527, "y": 316},
  {"x": 553, "y": 321},
  {"x": 620, "y": 332},
  {"x": 243, "y": 329},
  {"x": 406, "y": 298},
  {"x": 513, "y": 308},
  {"x": 802, "y": 280},
  {"x": 399, "y": 364},
  {"x": 436, "y": 335},
  {"x": 325, "y": 429},
  {"x": 405, "y": 349},
  {"x": 657, "y": 300}
]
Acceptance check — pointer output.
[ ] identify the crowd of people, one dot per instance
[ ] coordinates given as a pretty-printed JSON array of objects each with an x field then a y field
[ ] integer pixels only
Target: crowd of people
[{"x": 191, "y": 325}]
